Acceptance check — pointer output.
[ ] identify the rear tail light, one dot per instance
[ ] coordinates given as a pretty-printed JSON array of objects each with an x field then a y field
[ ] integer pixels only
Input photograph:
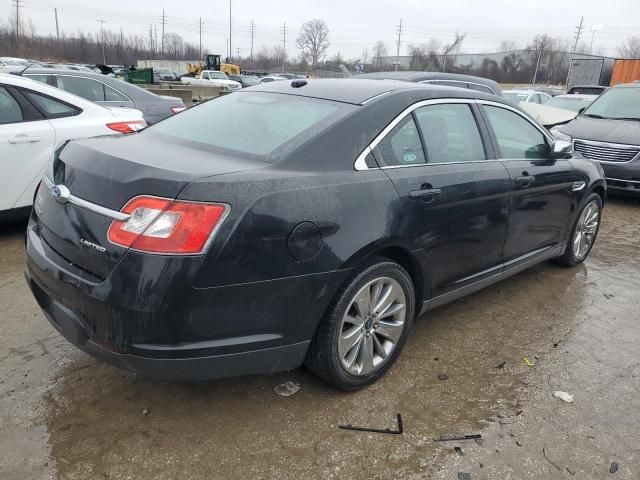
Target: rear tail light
[
  {"x": 161, "y": 225},
  {"x": 127, "y": 127},
  {"x": 175, "y": 110}
]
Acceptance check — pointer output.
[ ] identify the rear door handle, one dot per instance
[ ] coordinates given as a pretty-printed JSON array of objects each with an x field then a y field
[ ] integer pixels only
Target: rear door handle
[
  {"x": 525, "y": 180},
  {"x": 427, "y": 195},
  {"x": 24, "y": 139}
]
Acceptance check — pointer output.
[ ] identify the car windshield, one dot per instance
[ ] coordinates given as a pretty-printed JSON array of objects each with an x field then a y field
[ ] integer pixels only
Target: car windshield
[
  {"x": 218, "y": 75},
  {"x": 515, "y": 97},
  {"x": 252, "y": 123},
  {"x": 616, "y": 103},
  {"x": 12, "y": 63},
  {"x": 573, "y": 104}
]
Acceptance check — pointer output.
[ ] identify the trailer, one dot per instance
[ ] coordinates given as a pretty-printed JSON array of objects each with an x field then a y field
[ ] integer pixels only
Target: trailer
[
  {"x": 590, "y": 71},
  {"x": 625, "y": 71}
]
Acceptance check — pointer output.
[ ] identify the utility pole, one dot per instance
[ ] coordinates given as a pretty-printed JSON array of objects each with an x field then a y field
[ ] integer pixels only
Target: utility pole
[
  {"x": 55, "y": 12},
  {"x": 164, "y": 22},
  {"x": 575, "y": 47},
  {"x": 17, "y": 4},
  {"x": 102, "y": 22},
  {"x": 284, "y": 44},
  {"x": 398, "y": 44},
  {"x": 121, "y": 37},
  {"x": 227, "y": 52},
  {"x": 151, "y": 38},
  {"x": 230, "y": 32},
  {"x": 578, "y": 33},
  {"x": 535, "y": 73},
  {"x": 155, "y": 39},
  {"x": 253, "y": 31},
  {"x": 200, "y": 30}
]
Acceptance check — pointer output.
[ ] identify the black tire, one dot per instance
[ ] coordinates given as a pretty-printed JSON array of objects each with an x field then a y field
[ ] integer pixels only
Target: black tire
[
  {"x": 323, "y": 358},
  {"x": 569, "y": 258}
]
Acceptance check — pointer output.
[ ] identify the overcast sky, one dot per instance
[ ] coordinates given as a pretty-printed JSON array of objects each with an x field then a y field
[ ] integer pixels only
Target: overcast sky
[{"x": 353, "y": 24}]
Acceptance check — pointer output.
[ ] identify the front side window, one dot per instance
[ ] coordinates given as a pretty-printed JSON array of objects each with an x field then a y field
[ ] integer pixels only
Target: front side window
[
  {"x": 87, "y": 88},
  {"x": 450, "y": 133},
  {"x": 50, "y": 107},
  {"x": 480, "y": 88},
  {"x": 517, "y": 138},
  {"x": 253, "y": 123},
  {"x": 402, "y": 145},
  {"x": 10, "y": 111}
]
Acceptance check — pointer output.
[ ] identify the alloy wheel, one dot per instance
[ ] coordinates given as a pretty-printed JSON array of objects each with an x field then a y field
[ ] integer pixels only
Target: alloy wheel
[
  {"x": 586, "y": 230},
  {"x": 372, "y": 326}
]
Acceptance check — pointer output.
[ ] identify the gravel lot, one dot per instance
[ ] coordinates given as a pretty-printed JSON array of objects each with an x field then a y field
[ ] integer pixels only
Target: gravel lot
[{"x": 64, "y": 415}]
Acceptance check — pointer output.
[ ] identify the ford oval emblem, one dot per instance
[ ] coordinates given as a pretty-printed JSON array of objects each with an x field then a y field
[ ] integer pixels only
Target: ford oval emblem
[{"x": 60, "y": 193}]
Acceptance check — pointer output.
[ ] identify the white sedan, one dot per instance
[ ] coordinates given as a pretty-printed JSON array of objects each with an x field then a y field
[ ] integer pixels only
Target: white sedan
[{"x": 35, "y": 119}]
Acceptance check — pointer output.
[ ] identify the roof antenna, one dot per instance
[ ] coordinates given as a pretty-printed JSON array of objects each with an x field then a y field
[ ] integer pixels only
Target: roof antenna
[{"x": 24, "y": 69}]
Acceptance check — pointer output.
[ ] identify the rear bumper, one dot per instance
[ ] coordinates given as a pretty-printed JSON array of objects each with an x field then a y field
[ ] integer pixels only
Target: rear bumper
[{"x": 194, "y": 334}]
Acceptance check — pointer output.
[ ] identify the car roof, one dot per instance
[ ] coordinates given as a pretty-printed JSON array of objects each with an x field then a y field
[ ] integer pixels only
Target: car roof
[
  {"x": 627, "y": 85},
  {"x": 359, "y": 91},
  {"x": 415, "y": 76},
  {"x": 577, "y": 96}
]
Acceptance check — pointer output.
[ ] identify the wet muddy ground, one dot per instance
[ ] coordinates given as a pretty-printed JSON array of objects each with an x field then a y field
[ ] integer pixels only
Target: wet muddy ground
[{"x": 64, "y": 415}]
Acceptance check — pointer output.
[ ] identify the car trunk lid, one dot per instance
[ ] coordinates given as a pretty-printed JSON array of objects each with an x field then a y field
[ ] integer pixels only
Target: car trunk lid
[{"x": 106, "y": 173}]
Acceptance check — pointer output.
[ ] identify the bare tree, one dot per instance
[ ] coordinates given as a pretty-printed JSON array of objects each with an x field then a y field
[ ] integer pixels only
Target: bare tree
[
  {"x": 365, "y": 56},
  {"x": 379, "y": 50},
  {"x": 507, "y": 46},
  {"x": 630, "y": 48},
  {"x": 452, "y": 48},
  {"x": 314, "y": 39}
]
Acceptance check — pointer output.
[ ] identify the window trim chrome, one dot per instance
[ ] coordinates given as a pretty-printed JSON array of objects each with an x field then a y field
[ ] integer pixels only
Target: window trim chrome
[
  {"x": 432, "y": 82},
  {"x": 361, "y": 165},
  {"x": 92, "y": 207}
]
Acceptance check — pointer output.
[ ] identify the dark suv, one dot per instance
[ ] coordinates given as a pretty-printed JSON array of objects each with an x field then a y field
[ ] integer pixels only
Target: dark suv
[{"x": 608, "y": 131}]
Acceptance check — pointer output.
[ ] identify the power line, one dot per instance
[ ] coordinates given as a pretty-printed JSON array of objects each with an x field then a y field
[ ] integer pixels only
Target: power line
[
  {"x": 55, "y": 11},
  {"x": 398, "y": 43}
]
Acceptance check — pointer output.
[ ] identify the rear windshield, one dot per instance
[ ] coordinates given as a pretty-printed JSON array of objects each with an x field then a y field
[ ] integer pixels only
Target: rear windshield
[
  {"x": 252, "y": 123},
  {"x": 515, "y": 97}
]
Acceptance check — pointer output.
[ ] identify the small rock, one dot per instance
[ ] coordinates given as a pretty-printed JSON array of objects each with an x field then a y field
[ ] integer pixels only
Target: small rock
[
  {"x": 501, "y": 365},
  {"x": 518, "y": 412},
  {"x": 555, "y": 344},
  {"x": 458, "y": 450},
  {"x": 464, "y": 476},
  {"x": 145, "y": 412},
  {"x": 614, "y": 467},
  {"x": 564, "y": 396},
  {"x": 287, "y": 388},
  {"x": 436, "y": 359},
  {"x": 443, "y": 376},
  {"x": 518, "y": 443},
  {"x": 479, "y": 441}
]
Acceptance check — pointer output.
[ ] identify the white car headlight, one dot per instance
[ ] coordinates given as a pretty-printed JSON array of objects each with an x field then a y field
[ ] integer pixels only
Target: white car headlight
[{"x": 558, "y": 135}]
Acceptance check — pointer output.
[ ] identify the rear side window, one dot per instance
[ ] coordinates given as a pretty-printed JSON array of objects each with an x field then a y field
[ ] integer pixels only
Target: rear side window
[
  {"x": 517, "y": 138},
  {"x": 112, "y": 95},
  {"x": 10, "y": 111},
  {"x": 402, "y": 145},
  {"x": 83, "y": 87},
  {"x": 50, "y": 107},
  {"x": 253, "y": 123},
  {"x": 450, "y": 133}
]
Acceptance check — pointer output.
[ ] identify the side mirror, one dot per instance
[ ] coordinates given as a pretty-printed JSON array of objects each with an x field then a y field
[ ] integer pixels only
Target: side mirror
[{"x": 561, "y": 149}]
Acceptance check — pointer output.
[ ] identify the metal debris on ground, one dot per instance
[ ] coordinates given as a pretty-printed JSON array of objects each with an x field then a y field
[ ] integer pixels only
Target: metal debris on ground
[
  {"x": 527, "y": 362},
  {"x": 399, "y": 431},
  {"x": 442, "y": 376},
  {"x": 501, "y": 365},
  {"x": 614, "y": 467},
  {"x": 564, "y": 396},
  {"x": 287, "y": 388},
  {"x": 450, "y": 438}
]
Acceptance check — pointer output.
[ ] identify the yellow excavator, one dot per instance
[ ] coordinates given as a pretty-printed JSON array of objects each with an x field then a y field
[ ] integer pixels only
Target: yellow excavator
[{"x": 212, "y": 62}]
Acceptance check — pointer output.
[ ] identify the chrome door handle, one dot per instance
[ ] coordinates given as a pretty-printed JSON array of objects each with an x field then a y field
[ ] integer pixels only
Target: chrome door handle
[
  {"x": 24, "y": 139},
  {"x": 427, "y": 195},
  {"x": 525, "y": 180}
]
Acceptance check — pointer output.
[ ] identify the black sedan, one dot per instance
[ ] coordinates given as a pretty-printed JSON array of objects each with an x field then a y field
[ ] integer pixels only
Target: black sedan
[
  {"x": 109, "y": 91},
  {"x": 312, "y": 225}
]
